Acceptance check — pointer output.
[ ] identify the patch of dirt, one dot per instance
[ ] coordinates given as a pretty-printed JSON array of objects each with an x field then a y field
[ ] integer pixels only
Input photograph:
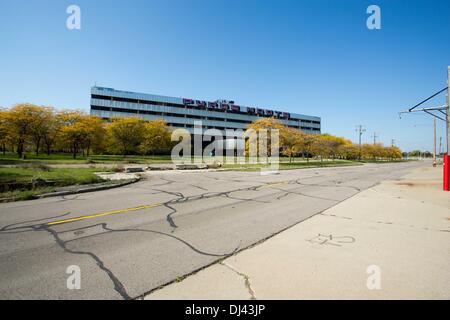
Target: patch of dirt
[{"x": 417, "y": 183}]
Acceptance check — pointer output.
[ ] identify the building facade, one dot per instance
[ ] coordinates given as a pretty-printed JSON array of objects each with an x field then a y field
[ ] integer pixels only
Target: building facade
[{"x": 108, "y": 103}]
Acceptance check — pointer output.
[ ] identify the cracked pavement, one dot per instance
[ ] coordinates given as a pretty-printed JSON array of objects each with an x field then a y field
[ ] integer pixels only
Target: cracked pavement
[
  {"x": 399, "y": 227},
  {"x": 132, "y": 240}
]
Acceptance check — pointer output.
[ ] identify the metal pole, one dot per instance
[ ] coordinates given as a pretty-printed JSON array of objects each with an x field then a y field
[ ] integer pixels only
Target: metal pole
[
  {"x": 448, "y": 111},
  {"x": 360, "y": 130},
  {"x": 360, "y": 133},
  {"x": 434, "y": 149},
  {"x": 446, "y": 184}
]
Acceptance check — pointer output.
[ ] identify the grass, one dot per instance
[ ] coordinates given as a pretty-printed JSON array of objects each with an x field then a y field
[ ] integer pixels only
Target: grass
[
  {"x": 291, "y": 165},
  {"x": 59, "y": 176},
  {"x": 64, "y": 158},
  {"x": 60, "y": 158},
  {"x": 19, "y": 195}
]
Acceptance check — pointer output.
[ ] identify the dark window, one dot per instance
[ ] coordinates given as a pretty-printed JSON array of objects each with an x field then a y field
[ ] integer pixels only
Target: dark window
[{"x": 167, "y": 104}]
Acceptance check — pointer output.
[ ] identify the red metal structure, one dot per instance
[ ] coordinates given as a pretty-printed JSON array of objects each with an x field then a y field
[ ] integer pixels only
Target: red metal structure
[{"x": 446, "y": 172}]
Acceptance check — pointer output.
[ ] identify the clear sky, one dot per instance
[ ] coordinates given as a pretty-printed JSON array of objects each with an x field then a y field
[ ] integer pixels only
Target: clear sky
[{"x": 310, "y": 57}]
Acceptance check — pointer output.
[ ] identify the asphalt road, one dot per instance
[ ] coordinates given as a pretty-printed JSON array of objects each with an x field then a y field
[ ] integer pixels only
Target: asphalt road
[{"x": 131, "y": 240}]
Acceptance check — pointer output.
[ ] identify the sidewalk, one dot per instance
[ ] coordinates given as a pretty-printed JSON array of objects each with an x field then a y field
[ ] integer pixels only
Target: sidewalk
[{"x": 402, "y": 227}]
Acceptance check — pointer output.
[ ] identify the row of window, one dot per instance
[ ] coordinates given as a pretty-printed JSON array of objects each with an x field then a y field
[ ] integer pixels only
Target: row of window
[
  {"x": 161, "y": 114},
  {"x": 168, "y": 104},
  {"x": 111, "y": 109},
  {"x": 176, "y": 115},
  {"x": 155, "y": 113},
  {"x": 180, "y": 125}
]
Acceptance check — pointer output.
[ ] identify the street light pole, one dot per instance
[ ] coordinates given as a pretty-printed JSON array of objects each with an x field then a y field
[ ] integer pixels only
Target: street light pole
[
  {"x": 448, "y": 111},
  {"x": 447, "y": 125},
  {"x": 434, "y": 147}
]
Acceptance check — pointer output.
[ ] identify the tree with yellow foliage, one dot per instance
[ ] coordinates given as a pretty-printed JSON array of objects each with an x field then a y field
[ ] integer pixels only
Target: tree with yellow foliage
[
  {"x": 308, "y": 145},
  {"x": 43, "y": 117},
  {"x": 156, "y": 137},
  {"x": 126, "y": 134},
  {"x": 260, "y": 127},
  {"x": 20, "y": 121},
  {"x": 291, "y": 142},
  {"x": 348, "y": 151},
  {"x": 52, "y": 132},
  {"x": 3, "y": 130},
  {"x": 393, "y": 153},
  {"x": 95, "y": 134},
  {"x": 330, "y": 144},
  {"x": 74, "y": 131}
]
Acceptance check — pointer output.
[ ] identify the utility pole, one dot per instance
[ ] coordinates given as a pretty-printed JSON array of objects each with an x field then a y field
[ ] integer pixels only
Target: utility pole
[
  {"x": 360, "y": 129},
  {"x": 375, "y": 138},
  {"x": 444, "y": 116},
  {"x": 447, "y": 127},
  {"x": 434, "y": 147},
  {"x": 440, "y": 146},
  {"x": 448, "y": 112}
]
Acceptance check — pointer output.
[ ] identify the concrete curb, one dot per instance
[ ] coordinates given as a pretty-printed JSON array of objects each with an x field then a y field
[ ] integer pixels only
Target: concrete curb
[{"x": 82, "y": 190}]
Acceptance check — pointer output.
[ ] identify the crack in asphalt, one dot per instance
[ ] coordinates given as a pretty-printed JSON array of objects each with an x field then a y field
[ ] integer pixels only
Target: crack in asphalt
[
  {"x": 198, "y": 187},
  {"x": 207, "y": 195},
  {"x": 169, "y": 216},
  {"x": 104, "y": 226},
  {"x": 6, "y": 229},
  {"x": 304, "y": 195},
  {"x": 180, "y": 198},
  {"x": 118, "y": 286}
]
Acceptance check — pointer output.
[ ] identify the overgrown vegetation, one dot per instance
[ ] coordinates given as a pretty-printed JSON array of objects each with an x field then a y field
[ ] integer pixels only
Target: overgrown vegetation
[
  {"x": 60, "y": 176},
  {"x": 28, "y": 180}
]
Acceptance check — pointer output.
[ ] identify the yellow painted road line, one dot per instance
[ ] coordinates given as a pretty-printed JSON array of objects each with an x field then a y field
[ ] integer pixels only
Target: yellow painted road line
[
  {"x": 97, "y": 215},
  {"x": 147, "y": 206}
]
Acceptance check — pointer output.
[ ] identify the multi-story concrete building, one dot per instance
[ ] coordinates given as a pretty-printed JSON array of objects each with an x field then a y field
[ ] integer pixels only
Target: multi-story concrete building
[{"x": 108, "y": 103}]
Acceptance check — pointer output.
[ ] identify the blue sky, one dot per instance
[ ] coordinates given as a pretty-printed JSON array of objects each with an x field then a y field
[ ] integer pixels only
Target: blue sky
[{"x": 311, "y": 57}]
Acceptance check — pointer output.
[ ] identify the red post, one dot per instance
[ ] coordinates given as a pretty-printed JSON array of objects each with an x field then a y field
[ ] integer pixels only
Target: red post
[{"x": 446, "y": 172}]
